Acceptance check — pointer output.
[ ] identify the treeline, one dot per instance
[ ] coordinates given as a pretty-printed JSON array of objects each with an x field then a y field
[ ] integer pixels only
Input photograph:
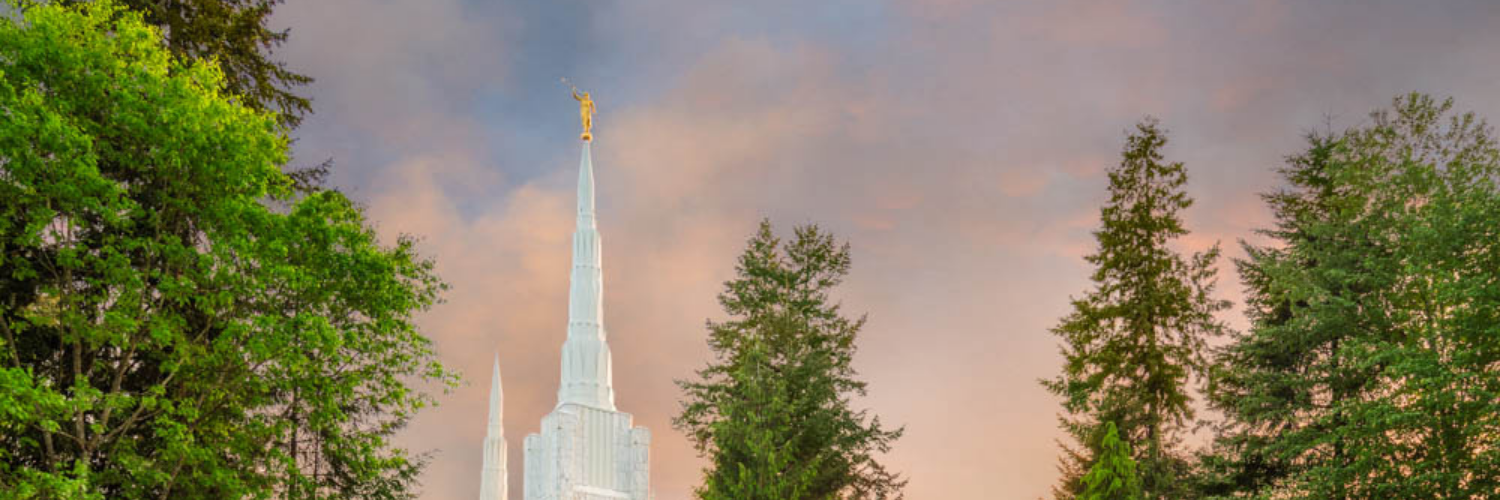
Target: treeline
[
  {"x": 1371, "y": 366},
  {"x": 1371, "y": 369}
]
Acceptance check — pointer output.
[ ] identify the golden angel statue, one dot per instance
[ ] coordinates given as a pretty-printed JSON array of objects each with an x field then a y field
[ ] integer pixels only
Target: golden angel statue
[{"x": 585, "y": 113}]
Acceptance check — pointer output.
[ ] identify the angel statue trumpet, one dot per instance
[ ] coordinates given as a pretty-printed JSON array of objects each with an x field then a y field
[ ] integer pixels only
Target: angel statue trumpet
[{"x": 585, "y": 113}]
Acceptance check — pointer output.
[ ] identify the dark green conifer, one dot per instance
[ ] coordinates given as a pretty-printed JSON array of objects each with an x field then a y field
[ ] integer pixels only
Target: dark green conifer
[
  {"x": 1133, "y": 343},
  {"x": 1369, "y": 370},
  {"x": 773, "y": 410}
]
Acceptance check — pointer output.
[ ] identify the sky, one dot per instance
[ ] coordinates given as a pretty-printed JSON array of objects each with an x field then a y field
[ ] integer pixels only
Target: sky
[{"x": 958, "y": 146}]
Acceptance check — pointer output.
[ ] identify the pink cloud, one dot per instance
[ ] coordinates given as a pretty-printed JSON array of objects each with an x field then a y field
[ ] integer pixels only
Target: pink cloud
[
  {"x": 1106, "y": 23},
  {"x": 1021, "y": 182}
]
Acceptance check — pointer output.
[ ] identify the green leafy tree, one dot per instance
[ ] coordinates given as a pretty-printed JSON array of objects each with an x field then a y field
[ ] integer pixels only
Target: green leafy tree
[
  {"x": 1132, "y": 343},
  {"x": 237, "y": 36},
  {"x": 174, "y": 322},
  {"x": 772, "y": 411},
  {"x": 1113, "y": 476},
  {"x": 1369, "y": 370}
]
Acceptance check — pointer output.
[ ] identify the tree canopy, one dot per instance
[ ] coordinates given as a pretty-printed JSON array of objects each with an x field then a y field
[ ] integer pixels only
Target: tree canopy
[
  {"x": 237, "y": 36},
  {"x": 1369, "y": 370},
  {"x": 176, "y": 322}
]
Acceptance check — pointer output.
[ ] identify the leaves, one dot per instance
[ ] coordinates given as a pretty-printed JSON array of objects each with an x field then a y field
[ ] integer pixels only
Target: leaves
[
  {"x": 234, "y": 35},
  {"x": 176, "y": 321}
]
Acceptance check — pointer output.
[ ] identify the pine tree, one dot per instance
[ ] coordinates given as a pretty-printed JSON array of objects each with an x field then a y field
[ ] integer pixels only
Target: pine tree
[
  {"x": 772, "y": 411},
  {"x": 1132, "y": 343},
  {"x": 1368, "y": 371},
  {"x": 1113, "y": 476}
]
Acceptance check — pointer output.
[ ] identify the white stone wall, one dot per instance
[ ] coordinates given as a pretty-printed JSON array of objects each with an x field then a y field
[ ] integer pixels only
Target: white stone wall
[
  {"x": 586, "y": 453},
  {"x": 639, "y": 463}
]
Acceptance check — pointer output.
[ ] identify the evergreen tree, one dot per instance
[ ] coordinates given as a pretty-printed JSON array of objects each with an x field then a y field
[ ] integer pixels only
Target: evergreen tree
[
  {"x": 1113, "y": 476},
  {"x": 1369, "y": 370},
  {"x": 1282, "y": 374},
  {"x": 172, "y": 315},
  {"x": 1133, "y": 342},
  {"x": 772, "y": 411}
]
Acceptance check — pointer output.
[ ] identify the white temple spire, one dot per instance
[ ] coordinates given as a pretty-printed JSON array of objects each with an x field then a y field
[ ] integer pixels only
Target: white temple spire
[
  {"x": 493, "y": 481},
  {"x": 585, "y": 449},
  {"x": 586, "y": 371}
]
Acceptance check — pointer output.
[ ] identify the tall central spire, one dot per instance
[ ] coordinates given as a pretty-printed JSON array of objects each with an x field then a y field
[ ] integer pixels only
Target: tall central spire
[
  {"x": 586, "y": 371},
  {"x": 586, "y": 449}
]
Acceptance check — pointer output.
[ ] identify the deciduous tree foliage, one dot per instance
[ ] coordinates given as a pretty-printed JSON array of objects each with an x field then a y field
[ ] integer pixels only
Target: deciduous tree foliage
[
  {"x": 1372, "y": 368},
  {"x": 1133, "y": 342},
  {"x": 772, "y": 411},
  {"x": 236, "y": 35},
  {"x": 174, "y": 322}
]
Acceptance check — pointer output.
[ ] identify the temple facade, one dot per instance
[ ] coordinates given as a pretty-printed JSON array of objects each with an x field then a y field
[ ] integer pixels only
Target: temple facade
[{"x": 586, "y": 449}]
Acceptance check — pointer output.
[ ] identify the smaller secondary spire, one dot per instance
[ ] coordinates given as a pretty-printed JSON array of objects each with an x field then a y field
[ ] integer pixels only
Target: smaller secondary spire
[
  {"x": 493, "y": 482},
  {"x": 497, "y": 401}
]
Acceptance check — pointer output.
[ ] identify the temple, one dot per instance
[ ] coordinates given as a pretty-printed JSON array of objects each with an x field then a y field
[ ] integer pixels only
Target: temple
[{"x": 586, "y": 449}]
